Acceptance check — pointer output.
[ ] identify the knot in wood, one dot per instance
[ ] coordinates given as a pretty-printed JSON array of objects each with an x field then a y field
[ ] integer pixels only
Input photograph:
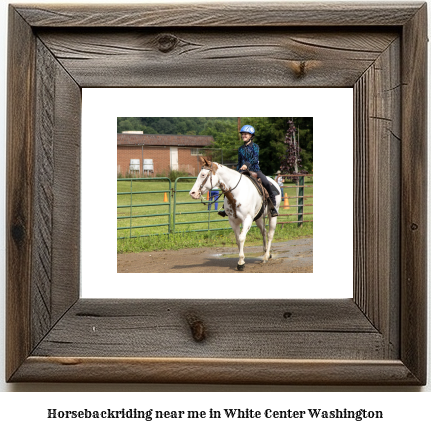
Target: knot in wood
[
  {"x": 300, "y": 69},
  {"x": 197, "y": 328},
  {"x": 414, "y": 226},
  {"x": 167, "y": 42},
  {"x": 18, "y": 233}
]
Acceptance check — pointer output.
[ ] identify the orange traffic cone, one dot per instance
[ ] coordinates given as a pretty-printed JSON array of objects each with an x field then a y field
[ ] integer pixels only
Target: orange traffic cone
[
  {"x": 208, "y": 196},
  {"x": 165, "y": 199},
  {"x": 286, "y": 202}
]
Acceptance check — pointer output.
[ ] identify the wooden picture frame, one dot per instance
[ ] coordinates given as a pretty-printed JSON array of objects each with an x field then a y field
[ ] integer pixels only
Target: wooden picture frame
[{"x": 378, "y": 337}]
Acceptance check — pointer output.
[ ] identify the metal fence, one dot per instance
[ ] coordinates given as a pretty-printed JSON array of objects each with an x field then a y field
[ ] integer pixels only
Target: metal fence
[
  {"x": 303, "y": 200},
  {"x": 211, "y": 197},
  {"x": 136, "y": 202}
]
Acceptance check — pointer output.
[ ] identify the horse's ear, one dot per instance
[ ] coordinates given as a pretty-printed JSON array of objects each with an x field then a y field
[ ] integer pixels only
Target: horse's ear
[{"x": 204, "y": 161}]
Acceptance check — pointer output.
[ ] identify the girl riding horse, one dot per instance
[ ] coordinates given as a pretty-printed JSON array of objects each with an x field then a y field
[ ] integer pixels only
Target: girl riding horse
[{"x": 248, "y": 158}]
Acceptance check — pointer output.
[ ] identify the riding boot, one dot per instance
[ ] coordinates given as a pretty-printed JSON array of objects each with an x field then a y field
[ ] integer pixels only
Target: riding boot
[
  {"x": 222, "y": 212},
  {"x": 271, "y": 196},
  {"x": 273, "y": 211},
  {"x": 272, "y": 203}
]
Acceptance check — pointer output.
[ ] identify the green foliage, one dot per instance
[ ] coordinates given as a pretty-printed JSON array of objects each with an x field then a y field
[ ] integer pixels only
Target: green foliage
[
  {"x": 304, "y": 126},
  {"x": 270, "y": 138},
  {"x": 270, "y": 135},
  {"x": 225, "y": 134},
  {"x": 168, "y": 125},
  {"x": 173, "y": 174},
  {"x": 128, "y": 174}
]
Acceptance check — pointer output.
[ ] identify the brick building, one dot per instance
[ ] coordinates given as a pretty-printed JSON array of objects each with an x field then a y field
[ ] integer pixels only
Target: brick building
[{"x": 158, "y": 154}]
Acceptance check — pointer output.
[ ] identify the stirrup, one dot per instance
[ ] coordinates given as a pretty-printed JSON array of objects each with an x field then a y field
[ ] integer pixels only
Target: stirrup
[
  {"x": 222, "y": 213},
  {"x": 274, "y": 212}
]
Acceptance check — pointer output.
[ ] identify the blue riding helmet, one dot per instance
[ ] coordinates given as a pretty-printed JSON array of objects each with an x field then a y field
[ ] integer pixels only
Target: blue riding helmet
[{"x": 247, "y": 129}]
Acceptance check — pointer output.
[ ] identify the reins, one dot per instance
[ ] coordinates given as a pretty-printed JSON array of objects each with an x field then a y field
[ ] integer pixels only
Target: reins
[{"x": 210, "y": 176}]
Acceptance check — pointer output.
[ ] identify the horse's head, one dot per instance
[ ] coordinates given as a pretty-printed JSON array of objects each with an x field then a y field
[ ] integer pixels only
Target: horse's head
[{"x": 207, "y": 179}]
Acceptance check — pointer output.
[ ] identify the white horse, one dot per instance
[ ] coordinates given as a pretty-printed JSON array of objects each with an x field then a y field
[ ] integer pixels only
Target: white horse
[{"x": 242, "y": 203}]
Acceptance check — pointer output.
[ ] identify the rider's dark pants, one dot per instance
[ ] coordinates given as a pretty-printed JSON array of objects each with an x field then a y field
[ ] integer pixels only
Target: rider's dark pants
[{"x": 267, "y": 185}]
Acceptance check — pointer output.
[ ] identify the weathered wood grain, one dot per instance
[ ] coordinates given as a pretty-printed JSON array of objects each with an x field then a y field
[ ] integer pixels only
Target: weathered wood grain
[
  {"x": 19, "y": 198},
  {"x": 216, "y": 371},
  {"x": 275, "y": 58},
  {"x": 43, "y": 191},
  {"x": 67, "y": 194},
  {"x": 220, "y": 15},
  {"x": 377, "y": 182},
  {"x": 43, "y": 194},
  {"x": 413, "y": 194},
  {"x": 55, "y": 278},
  {"x": 268, "y": 329},
  {"x": 378, "y": 338}
]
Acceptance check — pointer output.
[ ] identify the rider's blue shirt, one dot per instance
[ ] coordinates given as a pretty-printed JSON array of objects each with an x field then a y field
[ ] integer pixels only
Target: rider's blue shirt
[{"x": 248, "y": 155}]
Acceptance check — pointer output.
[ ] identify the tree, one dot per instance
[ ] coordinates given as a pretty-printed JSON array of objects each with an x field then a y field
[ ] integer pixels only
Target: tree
[
  {"x": 292, "y": 161},
  {"x": 225, "y": 135},
  {"x": 304, "y": 127},
  {"x": 270, "y": 135},
  {"x": 128, "y": 124}
]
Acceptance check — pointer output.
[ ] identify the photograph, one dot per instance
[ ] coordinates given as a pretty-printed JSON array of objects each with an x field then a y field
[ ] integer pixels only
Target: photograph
[{"x": 191, "y": 192}]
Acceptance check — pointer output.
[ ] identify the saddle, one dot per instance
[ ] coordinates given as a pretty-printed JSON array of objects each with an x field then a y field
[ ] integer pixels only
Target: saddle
[
  {"x": 252, "y": 176},
  {"x": 257, "y": 183}
]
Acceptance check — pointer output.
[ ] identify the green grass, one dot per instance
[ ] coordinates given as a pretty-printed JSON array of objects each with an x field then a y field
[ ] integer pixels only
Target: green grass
[
  {"x": 148, "y": 228},
  {"x": 225, "y": 238}
]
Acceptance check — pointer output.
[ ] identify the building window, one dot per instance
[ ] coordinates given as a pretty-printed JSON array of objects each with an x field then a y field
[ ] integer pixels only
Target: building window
[{"x": 196, "y": 151}]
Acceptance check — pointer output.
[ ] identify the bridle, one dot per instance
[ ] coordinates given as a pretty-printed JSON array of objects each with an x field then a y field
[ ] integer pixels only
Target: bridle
[{"x": 210, "y": 176}]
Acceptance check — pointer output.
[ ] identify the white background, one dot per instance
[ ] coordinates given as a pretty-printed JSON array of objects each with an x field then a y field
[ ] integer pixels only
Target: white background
[
  {"x": 333, "y": 233},
  {"x": 403, "y": 408}
]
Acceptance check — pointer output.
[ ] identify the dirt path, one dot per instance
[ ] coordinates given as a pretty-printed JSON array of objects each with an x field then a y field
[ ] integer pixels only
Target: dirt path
[{"x": 290, "y": 256}]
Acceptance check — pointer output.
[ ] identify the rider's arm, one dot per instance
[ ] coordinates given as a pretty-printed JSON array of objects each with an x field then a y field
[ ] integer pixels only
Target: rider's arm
[
  {"x": 255, "y": 155},
  {"x": 240, "y": 162}
]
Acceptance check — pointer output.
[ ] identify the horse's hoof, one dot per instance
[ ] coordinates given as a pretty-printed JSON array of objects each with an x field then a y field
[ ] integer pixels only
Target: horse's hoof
[{"x": 240, "y": 267}]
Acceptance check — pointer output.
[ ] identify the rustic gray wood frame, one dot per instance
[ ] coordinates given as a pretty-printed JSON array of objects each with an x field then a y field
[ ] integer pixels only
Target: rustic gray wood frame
[{"x": 378, "y": 337}]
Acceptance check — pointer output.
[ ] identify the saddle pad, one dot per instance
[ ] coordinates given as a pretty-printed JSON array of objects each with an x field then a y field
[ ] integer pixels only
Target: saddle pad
[
  {"x": 274, "y": 190},
  {"x": 259, "y": 214},
  {"x": 254, "y": 180},
  {"x": 262, "y": 208},
  {"x": 259, "y": 187}
]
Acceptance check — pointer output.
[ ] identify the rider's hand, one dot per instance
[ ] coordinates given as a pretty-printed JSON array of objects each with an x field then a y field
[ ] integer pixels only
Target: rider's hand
[{"x": 243, "y": 168}]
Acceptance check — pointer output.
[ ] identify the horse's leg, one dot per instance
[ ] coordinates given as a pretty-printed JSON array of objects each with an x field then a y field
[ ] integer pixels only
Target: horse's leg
[
  {"x": 272, "y": 225},
  {"x": 246, "y": 225},
  {"x": 236, "y": 226},
  {"x": 261, "y": 225}
]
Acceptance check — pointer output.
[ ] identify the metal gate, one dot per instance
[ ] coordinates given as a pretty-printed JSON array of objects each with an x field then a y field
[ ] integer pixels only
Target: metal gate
[
  {"x": 133, "y": 203},
  {"x": 211, "y": 208},
  {"x": 137, "y": 202}
]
